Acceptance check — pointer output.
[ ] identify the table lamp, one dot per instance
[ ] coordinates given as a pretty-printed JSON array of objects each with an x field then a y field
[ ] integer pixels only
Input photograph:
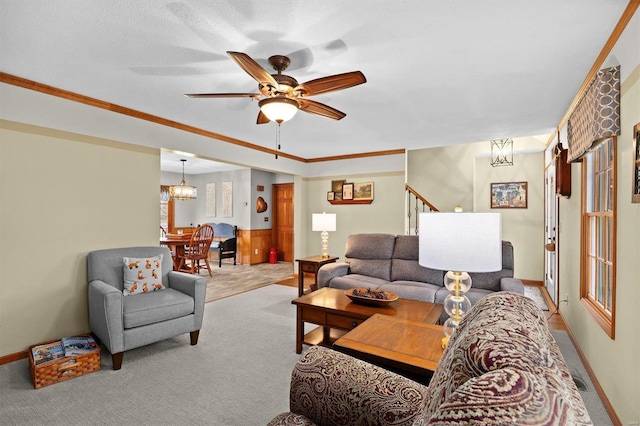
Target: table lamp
[
  {"x": 459, "y": 243},
  {"x": 324, "y": 222}
]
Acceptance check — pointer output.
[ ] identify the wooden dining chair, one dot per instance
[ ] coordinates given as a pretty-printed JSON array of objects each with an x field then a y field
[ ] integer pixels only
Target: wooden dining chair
[{"x": 197, "y": 250}]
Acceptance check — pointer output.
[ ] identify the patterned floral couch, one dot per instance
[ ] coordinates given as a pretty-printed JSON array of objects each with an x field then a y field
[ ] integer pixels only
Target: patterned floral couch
[{"x": 502, "y": 367}]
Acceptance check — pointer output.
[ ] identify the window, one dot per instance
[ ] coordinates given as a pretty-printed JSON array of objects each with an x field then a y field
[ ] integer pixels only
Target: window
[{"x": 598, "y": 279}]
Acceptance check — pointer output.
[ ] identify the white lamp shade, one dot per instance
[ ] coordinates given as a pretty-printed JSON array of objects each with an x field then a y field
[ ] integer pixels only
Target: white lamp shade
[
  {"x": 278, "y": 109},
  {"x": 323, "y": 222},
  {"x": 469, "y": 242}
]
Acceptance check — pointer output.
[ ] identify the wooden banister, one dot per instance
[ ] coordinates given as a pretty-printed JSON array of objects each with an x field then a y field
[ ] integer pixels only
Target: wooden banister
[{"x": 420, "y": 197}]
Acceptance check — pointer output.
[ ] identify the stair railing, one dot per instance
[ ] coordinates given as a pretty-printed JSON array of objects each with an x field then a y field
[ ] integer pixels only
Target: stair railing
[{"x": 420, "y": 205}]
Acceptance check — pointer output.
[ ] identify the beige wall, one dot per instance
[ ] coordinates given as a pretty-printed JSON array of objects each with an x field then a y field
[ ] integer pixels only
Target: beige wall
[
  {"x": 616, "y": 363},
  {"x": 523, "y": 227},
  {"x": 63, "y": 196},
  {"x": 462, "y": 175},
  {"x": 384, "y": 215}
]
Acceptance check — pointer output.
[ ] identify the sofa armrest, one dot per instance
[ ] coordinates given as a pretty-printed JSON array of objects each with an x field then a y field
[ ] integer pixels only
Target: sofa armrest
[
  {"x": 290, "y": 419},
  {"x": 507, "y": 396},
  {"x": 329, "y": 271},
  {"x": 329, "y": 387},
  {"x": 511, "y": 284},
  {"x": 105, "y": 315},
  {"x": 193, "y": 285}
]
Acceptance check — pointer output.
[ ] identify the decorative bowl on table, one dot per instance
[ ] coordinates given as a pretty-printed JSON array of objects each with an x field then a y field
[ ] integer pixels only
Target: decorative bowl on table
[{"x": 371, "y": 297}]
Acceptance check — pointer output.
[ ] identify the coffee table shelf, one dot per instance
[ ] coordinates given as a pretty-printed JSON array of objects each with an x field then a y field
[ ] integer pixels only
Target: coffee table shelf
[{"x": 316, "y": 337}]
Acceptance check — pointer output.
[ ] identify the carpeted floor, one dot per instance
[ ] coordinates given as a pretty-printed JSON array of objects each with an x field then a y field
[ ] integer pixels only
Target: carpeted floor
[
  {"x": 238, "y": 374},
  {"x": 598, "y": 413}
]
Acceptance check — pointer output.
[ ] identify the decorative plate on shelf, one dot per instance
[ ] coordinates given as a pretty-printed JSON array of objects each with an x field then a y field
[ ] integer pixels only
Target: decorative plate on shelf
[{"x": 371, "y": 297}]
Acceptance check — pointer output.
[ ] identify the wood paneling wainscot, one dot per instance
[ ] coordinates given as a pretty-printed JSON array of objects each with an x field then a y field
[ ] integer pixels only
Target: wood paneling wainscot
[{"x": 253, "y": 246}]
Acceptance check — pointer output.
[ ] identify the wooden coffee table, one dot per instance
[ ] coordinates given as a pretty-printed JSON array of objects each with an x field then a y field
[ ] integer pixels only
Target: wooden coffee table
[
  {"x": 334, "y": 312},
  {"x": 408, "y": 347}
]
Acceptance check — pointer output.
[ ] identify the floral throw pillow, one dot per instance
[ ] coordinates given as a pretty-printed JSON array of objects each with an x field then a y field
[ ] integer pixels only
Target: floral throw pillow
[{"x": 142, "y": 275}]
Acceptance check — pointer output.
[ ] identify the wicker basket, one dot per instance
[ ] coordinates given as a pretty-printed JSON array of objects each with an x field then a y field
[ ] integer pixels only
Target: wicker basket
[{"x": 62, "y": 369}]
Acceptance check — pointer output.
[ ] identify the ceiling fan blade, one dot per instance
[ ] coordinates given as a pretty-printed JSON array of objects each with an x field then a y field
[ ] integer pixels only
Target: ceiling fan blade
[
  {"x": 313, "y": 107},
  {"x": 223, "y": 95},
  {"x": 254, "y": 69},
  {"x": 262, "y": 119},
  {"x": 331, "y": 83}
]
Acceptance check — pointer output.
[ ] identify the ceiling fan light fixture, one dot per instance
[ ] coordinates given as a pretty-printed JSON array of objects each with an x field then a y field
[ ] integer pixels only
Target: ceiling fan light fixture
[{"x": 279, "y": 109}]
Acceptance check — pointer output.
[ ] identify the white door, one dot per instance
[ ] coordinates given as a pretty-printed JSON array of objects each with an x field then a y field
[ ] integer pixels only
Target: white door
[{"x": 550, "y": 226}]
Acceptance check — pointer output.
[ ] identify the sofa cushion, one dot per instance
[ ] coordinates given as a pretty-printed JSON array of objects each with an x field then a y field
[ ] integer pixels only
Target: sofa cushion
[
  {"x": 406, "y": 247},
  {"x": 410, "y": 270},
  {"x": 370, "y": 246},
  {"x": 374, "y": 268},
  {"x": 413, "y": 290},
  {"x": 350, "y": 281},
  {"x": 143, "y": 309}
]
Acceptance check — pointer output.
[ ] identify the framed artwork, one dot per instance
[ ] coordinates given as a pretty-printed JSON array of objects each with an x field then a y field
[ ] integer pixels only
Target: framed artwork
[
  {"x": 227, "y": 199},
  {"x": 635, "y": 197},
  {"x": 336, "y": 186},
  {"x": 331, "y": 196},
  {"x": 509, "y": 195},
  {"x": 211, "y": 200},
  {"x": 347, "y": 191},
  {"x": 363, "y": 191}
]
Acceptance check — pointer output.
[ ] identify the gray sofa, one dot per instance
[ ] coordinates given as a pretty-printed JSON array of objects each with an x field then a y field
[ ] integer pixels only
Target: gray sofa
[{"x": 390, "y": 262}]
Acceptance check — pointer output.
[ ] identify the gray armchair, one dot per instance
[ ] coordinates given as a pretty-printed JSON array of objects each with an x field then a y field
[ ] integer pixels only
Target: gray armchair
[{"x": 127, "y": 322}]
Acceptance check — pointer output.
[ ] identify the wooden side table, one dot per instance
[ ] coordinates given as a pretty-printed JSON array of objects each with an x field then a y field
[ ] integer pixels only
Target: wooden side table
[{"x": 311, "y": 265}]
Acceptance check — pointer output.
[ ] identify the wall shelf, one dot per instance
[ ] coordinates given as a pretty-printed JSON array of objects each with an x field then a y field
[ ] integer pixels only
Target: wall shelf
[{"x": 334, "y": 202}]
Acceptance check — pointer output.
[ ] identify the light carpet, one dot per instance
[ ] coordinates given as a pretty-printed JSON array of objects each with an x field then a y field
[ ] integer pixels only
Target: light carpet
[
  {"x": 535, "y": 294},
  {"x": 238, "y": 374},
  {"x": 592, "y": 401}
]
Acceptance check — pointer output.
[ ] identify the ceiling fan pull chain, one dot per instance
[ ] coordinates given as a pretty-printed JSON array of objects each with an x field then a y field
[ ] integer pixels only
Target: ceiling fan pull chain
[{"x": 277, "y": 139}]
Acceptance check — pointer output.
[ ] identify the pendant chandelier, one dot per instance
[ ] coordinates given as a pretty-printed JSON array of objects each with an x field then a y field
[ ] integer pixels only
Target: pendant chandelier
[
  {"x": 183, "y": 191},
  {"x": 502, "y": 152}
]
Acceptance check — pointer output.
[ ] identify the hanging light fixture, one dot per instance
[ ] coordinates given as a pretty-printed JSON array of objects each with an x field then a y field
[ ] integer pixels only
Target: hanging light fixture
[
  {"x": 279, "y": 109},
  {"x": 502, "y": 152},
  {"x": 183, "y": 191}
]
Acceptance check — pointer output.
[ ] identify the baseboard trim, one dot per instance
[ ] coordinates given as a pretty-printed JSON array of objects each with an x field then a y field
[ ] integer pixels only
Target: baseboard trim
[
  {"x": 594, "y": 379},
  {"x": 532, "y": 283},
  {"x": 6, "y": 359}
]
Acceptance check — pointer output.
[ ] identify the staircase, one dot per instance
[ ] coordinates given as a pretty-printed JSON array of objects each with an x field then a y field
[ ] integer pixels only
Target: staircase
[{"x": 416, "y": 203}]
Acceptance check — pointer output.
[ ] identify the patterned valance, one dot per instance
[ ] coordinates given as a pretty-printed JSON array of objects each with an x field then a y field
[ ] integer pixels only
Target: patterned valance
[{"x": 597, "y": 114}]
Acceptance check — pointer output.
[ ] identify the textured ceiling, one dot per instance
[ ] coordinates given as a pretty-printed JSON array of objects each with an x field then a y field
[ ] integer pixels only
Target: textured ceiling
[{"x": 439, "y": 72}]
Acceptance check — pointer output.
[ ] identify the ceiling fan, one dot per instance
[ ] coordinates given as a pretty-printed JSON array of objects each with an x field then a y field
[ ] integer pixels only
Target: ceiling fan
[{"x": 281, "y": 96}]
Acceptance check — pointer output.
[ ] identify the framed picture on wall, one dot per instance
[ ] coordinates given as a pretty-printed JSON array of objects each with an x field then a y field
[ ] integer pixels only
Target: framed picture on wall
[
  {"x": 347, "y": 191},
  {"x": 331, "y": 196},
  {"x": 363, "y": 191},
  {"x": 509, "y": 195}
]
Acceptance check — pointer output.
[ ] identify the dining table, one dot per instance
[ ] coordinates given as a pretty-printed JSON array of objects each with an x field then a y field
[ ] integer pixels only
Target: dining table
[{"x": 176, "y": 243}]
